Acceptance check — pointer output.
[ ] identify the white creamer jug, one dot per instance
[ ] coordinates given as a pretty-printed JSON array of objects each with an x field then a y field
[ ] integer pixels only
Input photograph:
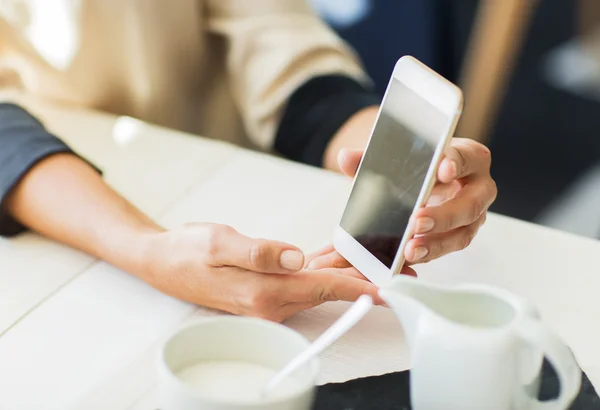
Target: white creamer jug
[{"x": 477, "y": 348}]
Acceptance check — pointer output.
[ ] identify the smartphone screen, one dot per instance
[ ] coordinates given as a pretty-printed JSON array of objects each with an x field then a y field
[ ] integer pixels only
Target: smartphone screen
[{"x": 393, "y": 170}]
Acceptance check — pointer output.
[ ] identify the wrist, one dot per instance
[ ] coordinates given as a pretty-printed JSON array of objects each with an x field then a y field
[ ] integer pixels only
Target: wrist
[
  {"x": 353, "y": 135},
  {"x": 130, "y": 247}
]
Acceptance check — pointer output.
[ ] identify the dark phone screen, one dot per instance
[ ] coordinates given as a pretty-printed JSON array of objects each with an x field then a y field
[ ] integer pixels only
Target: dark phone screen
[{"x": 393, "y": 171}]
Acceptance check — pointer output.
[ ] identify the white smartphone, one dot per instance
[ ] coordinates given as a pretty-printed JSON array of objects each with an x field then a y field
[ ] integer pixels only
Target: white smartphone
[{"x": 415, "y": 123}]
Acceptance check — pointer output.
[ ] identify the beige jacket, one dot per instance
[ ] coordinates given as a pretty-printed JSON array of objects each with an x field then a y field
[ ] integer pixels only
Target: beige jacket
[{"x": 219, "y": 68}]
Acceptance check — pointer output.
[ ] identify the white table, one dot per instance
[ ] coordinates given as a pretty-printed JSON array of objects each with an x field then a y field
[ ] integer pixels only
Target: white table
[{"x": 75, "y": 333}]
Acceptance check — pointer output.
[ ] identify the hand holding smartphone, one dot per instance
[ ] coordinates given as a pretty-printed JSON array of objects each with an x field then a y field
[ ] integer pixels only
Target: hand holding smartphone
[{"x": 416, "y": 121}]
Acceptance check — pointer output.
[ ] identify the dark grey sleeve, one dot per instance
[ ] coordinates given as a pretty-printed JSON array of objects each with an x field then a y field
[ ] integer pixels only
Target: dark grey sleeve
[{"x": 23, "y": 142}]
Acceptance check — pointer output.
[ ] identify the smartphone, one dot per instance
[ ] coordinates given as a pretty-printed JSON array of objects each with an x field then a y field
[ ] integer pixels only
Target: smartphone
[{"x": 416, "y": 120}]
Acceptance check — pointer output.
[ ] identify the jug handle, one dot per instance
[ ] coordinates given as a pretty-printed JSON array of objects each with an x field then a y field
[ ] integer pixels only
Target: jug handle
[{"x": 561, "y": 358}]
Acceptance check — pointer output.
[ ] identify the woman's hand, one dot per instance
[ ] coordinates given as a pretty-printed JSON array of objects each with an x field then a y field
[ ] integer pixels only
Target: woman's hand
[
  {"x": 217, "y": 267},
  {"x": 454, "y": 213}
]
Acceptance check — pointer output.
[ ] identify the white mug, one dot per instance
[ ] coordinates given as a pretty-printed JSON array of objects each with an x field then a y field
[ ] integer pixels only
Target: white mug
[{"x": 251, "y": 350}]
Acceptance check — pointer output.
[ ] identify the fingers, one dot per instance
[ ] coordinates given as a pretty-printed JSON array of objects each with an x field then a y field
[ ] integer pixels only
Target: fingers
[
  {"x": 465, "y": 208},
  {"x": 348, "y": 161},
  {"x": 331, "y": 260},
  {"x": 458, "y": 205},
  {"x": 429, "y": 247},
  {"x": 294, "y": 308},
  {"x": 282, "y": 313},
  {"x": 334, "y": 260},
  {"x": 343, "y": 267},
  {"x": 325, "y": 286},
  {"x": 314, "y": 255},
  {"x": 443, "y": 192},
  {"x": 464, "y": 157},
  {"x": 290, "y": 310},
  {"x": 276, "y": 297},
  {"x": 350, "y": 272},
  {"x": 407, "y": 270},
  {"x": 227, "y": 247}
]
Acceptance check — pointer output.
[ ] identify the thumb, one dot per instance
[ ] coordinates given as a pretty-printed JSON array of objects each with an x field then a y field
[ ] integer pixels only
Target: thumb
[
  {"x": 348, "y": 161},
  {"x": 231, "y": 248}
]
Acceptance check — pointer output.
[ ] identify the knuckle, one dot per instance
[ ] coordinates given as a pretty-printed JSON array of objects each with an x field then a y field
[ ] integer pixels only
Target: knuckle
[
  {"x": 325, "y": 295},
  {"x": 466, "y": 241},
  {"x": 437, "y": 247},
  {"x": 440, "y": 249},
  {"x": 469, "y": 235},
  {"x": 214, "y": 238},
  {"x": 259, "y": 254},
  {"x": 212, "y": 246},
  {"x": 462, "y": 162},
  {"x": 486, "y": 155},
  {"x": 477, "y": 208},
  {"x": 212, "y": 232}
]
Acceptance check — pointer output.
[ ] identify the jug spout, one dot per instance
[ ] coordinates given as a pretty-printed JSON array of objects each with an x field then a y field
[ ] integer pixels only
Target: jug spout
[
  {"x": 400, "y": 297},
  {"x": 409, "y": 298}
]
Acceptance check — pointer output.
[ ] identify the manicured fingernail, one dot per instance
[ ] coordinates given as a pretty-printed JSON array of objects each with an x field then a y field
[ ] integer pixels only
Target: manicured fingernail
[
  {"x": 424, "y": 224},
  {"x": 292, "y": 260},
  {"x": 454, "y": 168},
  {"x": 419, "y": 253}
]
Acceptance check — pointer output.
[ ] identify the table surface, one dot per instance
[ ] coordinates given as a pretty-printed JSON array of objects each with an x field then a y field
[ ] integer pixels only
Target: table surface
[{"x": 76, "y": 333}]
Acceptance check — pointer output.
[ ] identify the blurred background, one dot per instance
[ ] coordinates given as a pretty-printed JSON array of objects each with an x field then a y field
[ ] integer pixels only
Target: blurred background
[{"x": 530, "y": 72}]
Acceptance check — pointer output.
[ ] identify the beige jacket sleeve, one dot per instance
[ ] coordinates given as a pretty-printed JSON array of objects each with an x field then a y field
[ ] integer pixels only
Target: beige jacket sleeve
[{"x": 274, "y": 46}]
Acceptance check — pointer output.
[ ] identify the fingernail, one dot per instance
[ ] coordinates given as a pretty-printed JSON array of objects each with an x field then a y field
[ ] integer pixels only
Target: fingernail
[
  {"x": 424, "y": 224},
  {"x": 311, "y": 266},
  {"x": 292, "y": 260},
  {"x": 419, "y": 253},
  {"x": 454, "y": 168}
]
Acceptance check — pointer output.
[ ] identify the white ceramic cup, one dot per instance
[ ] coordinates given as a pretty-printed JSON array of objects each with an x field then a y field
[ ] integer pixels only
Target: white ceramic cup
[{"x": 230, "y": 338}]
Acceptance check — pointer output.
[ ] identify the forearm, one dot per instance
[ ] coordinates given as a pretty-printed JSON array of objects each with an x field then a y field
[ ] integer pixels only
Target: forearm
[{"x": 65, "y": 199}]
